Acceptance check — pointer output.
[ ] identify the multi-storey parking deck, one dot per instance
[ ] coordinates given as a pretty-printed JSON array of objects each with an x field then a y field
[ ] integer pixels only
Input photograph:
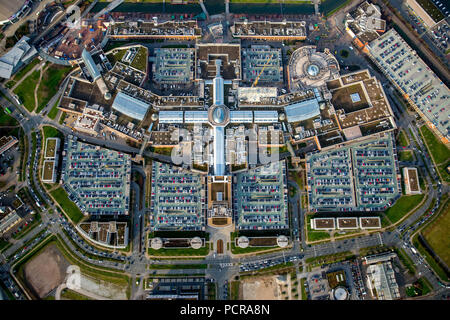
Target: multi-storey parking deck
[
  {"x": 419, "y": 85},
  {"x": 260, "y": 198},
  {"x": 264, "y": 62},
  {"x": 361, "y": 176},
  {"x": 178, "y": 199},
  {"x": 330, "y": 180},
  {"x": 173, "y": 65},
  {"x": 97, "y": 179},
  {"x": 375, "y": 172}
]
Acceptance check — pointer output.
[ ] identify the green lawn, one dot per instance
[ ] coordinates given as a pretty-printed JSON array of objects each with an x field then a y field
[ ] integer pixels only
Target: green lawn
[
  {"x": 304, "y": 294},
  {"x": 25, "y": 91},
  {"x": 430, "y": 260},
  {"x": 4, "y": 245},
  {"x": 6, "y": 119},
  {"x": 72, "y": 295},
  {"x": 234, "y": 290},
  {"x": 54, "y": 111},
  {"x": 179, "y": 252},
  {"x": 52, "y": 132},
  {"x": 49, "y": 85},
  {"x": 99, "y": 273},
  {"x": 406, "y": 260},
  {"x": 140, "y": 60},
  {"x": 313, "y": 235},
  {"x": 68, "y": 206},
  {"x": 21, "y": 73},
  {"x": 403, "y": 206},
  {"x": 436, "y": 235},
  {"x": 402, "y": 139},
  {"x": 439, "y": 152},
  {"x": 406, "y": 155}
]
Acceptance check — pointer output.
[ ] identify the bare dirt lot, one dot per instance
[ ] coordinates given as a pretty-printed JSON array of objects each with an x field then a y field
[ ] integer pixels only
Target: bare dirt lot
[
  {"x": 261, "y": 288},
  {"x": 46, "y": 271}
]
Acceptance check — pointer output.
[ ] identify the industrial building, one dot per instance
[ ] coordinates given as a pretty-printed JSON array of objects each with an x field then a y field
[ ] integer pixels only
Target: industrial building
[
  {"x": 421, "y": 13},
  {"x": 418, "y": 84},
  {"x": 411, "y": 179},
  {"x": 51, "y": 158},
  {"x": 110, "y": 234}
]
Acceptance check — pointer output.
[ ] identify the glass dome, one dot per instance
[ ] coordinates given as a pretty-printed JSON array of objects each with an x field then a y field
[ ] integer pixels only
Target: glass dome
[
  {"x": 219, "y": 114},
  {"x": 313, "y": 70}
]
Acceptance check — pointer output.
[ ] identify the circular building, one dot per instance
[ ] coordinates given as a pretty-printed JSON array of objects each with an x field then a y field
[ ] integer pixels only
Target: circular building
[
  {"x": 196, "y": 243},
  {"x": 218, "y": 115},
  {"x": 243, "y": 242},
  {"x": 309, "y": 68},
  {"x": 282, "y": 241},
  {"x": 339, "y": 293},
  {"x": 156, "y": 243}
]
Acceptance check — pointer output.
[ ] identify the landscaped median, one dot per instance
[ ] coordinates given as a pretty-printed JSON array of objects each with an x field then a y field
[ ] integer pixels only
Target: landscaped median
[
  {"x": 328, "y": 259},
  {"x": 249, "y": 250}
]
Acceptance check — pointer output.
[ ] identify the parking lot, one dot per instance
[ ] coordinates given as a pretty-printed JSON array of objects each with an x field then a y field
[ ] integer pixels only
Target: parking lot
[
  {"x": 263, "y": 59},
  {"x": 173, "y": 65},
  {"x": 361, "y": 176},
  {"x": 260, "y": 198},
  {"x": 97, "y": 179},
  {"x": 414, "y": 78},
  {"x": 178, "y": 200}
]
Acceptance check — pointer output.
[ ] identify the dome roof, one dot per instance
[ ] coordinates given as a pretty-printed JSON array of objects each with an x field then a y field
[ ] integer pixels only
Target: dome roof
[
  {"x": 313, "y": 70},
  {"x": 219, "y": 114}
]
